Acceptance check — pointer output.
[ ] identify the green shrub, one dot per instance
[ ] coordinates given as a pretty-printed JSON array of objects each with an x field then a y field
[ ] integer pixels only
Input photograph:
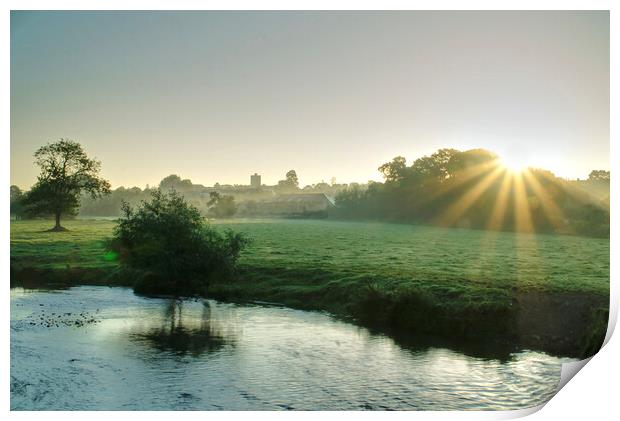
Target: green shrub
[{"x": 175, "y": 250}]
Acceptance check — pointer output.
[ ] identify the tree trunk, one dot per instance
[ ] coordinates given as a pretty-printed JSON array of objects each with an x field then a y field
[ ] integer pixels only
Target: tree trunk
[{"x": 58, "y": 227}]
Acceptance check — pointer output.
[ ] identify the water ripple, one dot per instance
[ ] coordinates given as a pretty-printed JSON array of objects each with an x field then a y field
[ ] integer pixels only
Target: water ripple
[{"x": 157, "y": 354}]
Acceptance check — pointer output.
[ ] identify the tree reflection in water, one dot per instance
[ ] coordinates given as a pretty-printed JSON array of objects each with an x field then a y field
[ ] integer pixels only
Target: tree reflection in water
[{"x": 186, "y": 334}]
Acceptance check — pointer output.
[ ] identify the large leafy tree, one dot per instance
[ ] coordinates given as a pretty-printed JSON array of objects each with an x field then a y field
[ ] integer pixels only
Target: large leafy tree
[{"x": 66, "y": 173}]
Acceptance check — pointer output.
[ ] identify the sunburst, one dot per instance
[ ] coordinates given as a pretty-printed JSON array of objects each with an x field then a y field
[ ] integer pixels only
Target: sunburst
[
  {"x": 520, "y": 188},
  {"x": 514, "y": 164}
]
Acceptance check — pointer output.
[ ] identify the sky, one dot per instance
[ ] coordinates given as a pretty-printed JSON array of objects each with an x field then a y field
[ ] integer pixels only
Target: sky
[{"x": 217, "y": 96}]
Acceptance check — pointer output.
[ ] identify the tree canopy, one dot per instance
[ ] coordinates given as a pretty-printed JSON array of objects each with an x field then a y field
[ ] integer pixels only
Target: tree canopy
[
  {"x": 174, "y": 182},
  {"x": 66, "y": 172},
  {"x": 291, "y": 178},
  {"x": 599, "y": 175},
  {"x": 290, "y": 182},
  {"x": 221, "y": 206}
]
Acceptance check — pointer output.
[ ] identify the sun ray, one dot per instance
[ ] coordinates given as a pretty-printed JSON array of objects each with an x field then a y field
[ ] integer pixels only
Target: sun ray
[
  {"x": 571, "y": 191},
  {"x": 496, "y": 220},
  {"x": 523, "y": 217},
  {"x": 463, "y": 176},
  {"x": 528, "y": 264},
  {"x": 487, "y": 262},
  {"x": 554, "y": 214},
  {"x": 458, "y": 208}
]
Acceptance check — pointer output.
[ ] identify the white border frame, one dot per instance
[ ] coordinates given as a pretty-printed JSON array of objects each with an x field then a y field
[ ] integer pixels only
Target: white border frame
[{"x": 597, "y": 385}]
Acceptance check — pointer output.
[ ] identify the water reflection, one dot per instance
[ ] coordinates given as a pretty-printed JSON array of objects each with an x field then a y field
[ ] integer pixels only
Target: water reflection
[
  {"x": 161, "y": 354},
  {"x": 184, "y": 332},
  {"x": 500, "y": 349}
]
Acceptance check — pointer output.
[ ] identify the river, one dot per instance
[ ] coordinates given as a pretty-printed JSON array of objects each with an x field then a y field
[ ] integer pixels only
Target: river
[{"x": 101, "y": 348}]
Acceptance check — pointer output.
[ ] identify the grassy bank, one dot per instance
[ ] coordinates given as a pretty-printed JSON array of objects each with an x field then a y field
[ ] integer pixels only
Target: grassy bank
[{"x": 453, "y": 282}]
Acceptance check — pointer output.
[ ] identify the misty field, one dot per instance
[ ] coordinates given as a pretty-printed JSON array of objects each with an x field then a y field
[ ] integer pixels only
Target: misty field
[
  {"x": 352, "y": 252},
  {"x": 441, "y": 280}
]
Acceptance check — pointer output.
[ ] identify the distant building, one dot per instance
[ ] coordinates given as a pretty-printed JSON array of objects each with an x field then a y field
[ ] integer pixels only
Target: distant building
[
  {"x": 255, "y": 181},
  {"x": 302, "y": 205}
]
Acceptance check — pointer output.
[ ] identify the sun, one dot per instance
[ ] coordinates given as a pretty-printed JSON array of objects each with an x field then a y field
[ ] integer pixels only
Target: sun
[{"x": 514, "y": 163}]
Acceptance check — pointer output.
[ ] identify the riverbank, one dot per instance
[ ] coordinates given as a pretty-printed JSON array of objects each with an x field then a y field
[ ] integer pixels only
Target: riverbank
[{"x": 532, "y": 291}]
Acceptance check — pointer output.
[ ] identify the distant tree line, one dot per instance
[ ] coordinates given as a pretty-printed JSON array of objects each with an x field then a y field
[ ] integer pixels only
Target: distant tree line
[
  {"x": 473, "y": 189},
  {"x": 219, "y": 201},
  {"x": 449, "y": 188}
]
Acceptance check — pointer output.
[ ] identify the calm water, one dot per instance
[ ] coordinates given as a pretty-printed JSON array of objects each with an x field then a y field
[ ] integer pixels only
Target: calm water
[{"x": 105, "y": 348}]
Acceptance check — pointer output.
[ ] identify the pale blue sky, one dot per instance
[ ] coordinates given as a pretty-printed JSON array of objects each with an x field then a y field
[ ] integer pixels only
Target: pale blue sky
[{"x": 215, "y": 96}]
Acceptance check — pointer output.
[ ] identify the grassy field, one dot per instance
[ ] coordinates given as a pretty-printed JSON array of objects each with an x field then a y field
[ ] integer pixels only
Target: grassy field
[
  {"x": 350, "y": 251},
  {"x": 81, "y": 247},
  {"x": 375, "y": 272}
]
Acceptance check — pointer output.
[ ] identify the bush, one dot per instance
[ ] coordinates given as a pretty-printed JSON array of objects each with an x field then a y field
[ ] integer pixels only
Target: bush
[{"x": 169, "y": 243}]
